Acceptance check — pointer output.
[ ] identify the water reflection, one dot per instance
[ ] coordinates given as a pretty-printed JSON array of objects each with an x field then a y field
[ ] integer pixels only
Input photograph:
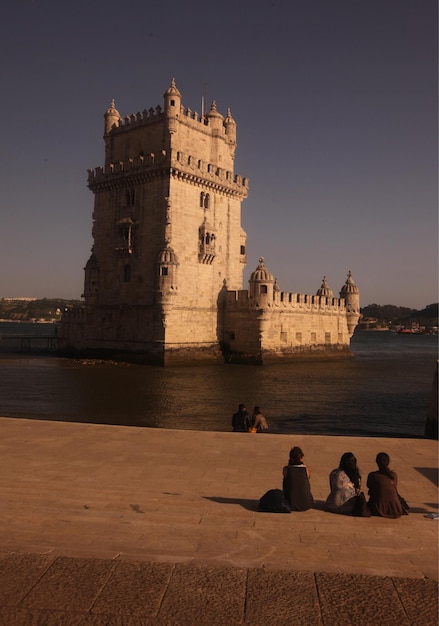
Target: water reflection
[{"x": 384, "y": 390}]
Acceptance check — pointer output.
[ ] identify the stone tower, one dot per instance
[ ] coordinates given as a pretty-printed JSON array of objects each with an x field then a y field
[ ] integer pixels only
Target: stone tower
[
  {"x": 167, "y": 235},
  {"x": 163, "y": 283}
]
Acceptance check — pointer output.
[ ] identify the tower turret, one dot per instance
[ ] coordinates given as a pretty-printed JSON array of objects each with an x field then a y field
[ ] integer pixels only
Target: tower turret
[
  {"x": 230, "y": 126},
  {"x": 261, "y": 286},
  {"x": 167, "y": 273},
  {"x": 172, "y": 98},
  {"x": 112, "y": 117},
  {"x": 216, "y": 120},
  {"x": 351, "y": 295}
]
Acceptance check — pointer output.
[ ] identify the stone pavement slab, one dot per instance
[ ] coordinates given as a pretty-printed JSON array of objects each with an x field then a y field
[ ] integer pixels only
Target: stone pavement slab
[{"x": 92, "y": 592}]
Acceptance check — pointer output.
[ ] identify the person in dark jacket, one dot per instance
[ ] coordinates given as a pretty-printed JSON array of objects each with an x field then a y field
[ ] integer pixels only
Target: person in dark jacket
[
  {"x": 241, "y": 420},
  {"x": 383, "y": 494},
  {"x": 296, "y": 485}
]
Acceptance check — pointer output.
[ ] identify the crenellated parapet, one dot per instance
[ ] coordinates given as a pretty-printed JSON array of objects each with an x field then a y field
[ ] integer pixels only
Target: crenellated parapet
[
  {"x": 134, "y": 120},
  {"x": 139, "y": 166},
  {"x": 153, "y": 115},
  {"x": 284, "y": 299},
  {"x": 209, "y": 174},
  {"x": 193, "y": 169},
  {"x": 281, "y": 300}
]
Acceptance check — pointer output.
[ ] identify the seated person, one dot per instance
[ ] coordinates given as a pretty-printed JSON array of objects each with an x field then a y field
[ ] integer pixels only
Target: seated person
[
  {"x": 383, "y": 494},
  {"x": 258, "y": 421},
  {"x": 345, "y": 483},
  {"x": 296, "y": 485},
  {"x": 241, "y": 420}
]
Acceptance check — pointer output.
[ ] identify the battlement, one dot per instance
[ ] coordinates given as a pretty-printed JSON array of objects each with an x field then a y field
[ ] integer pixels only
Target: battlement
[
  {"x": 193, "y": 165},
  {"x": 153, "y": 115},
  {"x": 130, "y": 165},
  {"x": 307, "y": 301},
  {"x": 186, "y": 163},
  {"x": 147, "y": 116},
  {"x": 289, "y": 301}
]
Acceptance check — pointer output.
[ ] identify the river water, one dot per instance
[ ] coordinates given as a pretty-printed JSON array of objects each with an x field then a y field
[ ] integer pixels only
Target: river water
[{"x": 384, "y": 390}]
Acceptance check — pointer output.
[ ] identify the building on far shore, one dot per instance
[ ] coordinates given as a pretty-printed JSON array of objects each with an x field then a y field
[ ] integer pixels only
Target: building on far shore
[{"x": 163, "y": 283}]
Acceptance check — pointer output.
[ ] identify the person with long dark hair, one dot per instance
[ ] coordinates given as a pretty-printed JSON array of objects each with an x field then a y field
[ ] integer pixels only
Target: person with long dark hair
[
  {"x": 345, "y": 485},
  {"x": 384, "y": 500},
  {"x": 258, "y": 421}
]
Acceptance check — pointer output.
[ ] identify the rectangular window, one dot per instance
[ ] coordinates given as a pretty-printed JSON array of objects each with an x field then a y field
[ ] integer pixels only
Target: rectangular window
[{"x": 127, "y": 274}]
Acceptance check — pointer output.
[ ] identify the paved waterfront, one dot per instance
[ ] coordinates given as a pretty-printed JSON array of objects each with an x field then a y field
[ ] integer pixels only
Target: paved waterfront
[{"x": 129, "y": 526}]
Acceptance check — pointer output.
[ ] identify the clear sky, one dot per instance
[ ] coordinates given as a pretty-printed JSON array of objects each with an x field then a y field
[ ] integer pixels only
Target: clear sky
[{"x": 336, "y": 110}]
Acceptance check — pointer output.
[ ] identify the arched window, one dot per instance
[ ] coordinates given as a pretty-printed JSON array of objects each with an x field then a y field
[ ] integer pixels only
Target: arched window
[
  {"x": 202, "y": 199},
  {"x": 206, "y": 201}
]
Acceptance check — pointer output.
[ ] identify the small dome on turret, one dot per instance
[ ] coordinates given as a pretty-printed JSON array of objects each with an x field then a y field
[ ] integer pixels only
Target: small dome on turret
[
  {"x": 213, "y": 113},
  {"x": 167, "y": 256},
  {"x": 325, "y": 289},
  {"x": 262, "y": 274},
  {"x": 172, "y": 90},
  {"x": 229, "y": 119},
  {"x": 112, "y": 110},
  {"x": 112, "y": 117},
  {"x": 349, "y": 287}
]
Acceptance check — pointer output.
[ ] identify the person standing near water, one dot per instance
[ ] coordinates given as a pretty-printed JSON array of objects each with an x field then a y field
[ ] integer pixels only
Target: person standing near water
[{"x": 241, "y": 420}]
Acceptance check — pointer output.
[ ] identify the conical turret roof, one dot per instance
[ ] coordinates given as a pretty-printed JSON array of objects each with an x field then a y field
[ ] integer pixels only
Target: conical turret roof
[
  {"x": 213, "y": 112},
  {"x": 349, "y": 287},
  {"x": 325, "y": 290},
  {"x": 261, "y": 273},
  {"x": 167, "y": 256},
  {"x": 172, "y": 90}
]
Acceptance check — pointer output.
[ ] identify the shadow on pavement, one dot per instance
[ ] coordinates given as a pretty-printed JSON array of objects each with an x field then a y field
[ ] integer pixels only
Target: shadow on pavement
[
  {"x": 250, "y": 505},
  {"x": 429, "y": 472}
]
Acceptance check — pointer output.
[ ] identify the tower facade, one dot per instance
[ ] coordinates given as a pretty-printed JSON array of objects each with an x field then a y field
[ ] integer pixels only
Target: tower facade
[
  {"x": 166, "y": 232},
  {"x": 163, "y": 283}
]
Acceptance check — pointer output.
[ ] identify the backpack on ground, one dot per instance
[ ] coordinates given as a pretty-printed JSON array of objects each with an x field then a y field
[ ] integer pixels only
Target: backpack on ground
[{"x": 274, "y": 501}]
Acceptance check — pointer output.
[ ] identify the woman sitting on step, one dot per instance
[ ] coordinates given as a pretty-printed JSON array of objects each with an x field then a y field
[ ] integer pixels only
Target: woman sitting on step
[
  {"x": 296, "y": 485},
  {"x": 384, "y": 500},
  {"x": 345, "y": 485}
]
